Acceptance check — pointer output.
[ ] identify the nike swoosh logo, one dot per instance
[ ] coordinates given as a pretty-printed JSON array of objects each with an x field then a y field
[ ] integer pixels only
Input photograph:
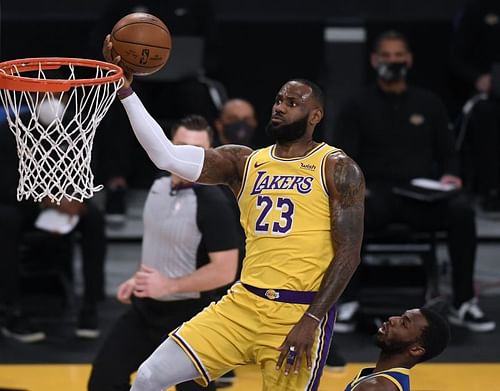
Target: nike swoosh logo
[{"x": 256, "y": 165}]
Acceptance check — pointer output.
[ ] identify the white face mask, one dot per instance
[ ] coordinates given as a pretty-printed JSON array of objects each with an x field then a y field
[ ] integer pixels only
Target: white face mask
[{"x": 49, "y": 110}]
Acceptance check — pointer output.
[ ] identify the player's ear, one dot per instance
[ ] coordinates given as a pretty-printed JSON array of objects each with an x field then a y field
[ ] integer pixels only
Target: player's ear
[
  {"x": 316, "y": 116},
  {"x": 417, "y": 351}
]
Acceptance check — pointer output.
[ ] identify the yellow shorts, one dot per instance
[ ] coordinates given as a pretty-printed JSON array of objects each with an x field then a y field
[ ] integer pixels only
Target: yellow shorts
[{"x": 244, "y": 328}]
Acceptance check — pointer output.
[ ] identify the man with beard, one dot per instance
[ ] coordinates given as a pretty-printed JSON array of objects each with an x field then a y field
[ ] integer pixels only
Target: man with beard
[
  {"x": 414, "y": 337},
  {"x": 301, "y": 206}
]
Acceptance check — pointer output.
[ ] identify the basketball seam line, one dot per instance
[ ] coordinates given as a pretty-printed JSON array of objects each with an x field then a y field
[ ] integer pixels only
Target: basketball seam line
[
  {"x": 143, "y": 44},
  {"x": 130, "y": 24}
]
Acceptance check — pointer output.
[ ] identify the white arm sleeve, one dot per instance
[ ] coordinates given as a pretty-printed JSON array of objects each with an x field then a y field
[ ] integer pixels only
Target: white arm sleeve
[{"x": 185, "y": 161}]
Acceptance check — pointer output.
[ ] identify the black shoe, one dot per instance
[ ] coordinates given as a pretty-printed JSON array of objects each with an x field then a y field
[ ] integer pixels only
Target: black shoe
[
  {"x": 470, "y": 315},
  {"x": 87, "y": 324},
  {"x": 21, "y": 329},
  {"x": 335, "y": 362},
  {"x": 225, "y": 380},
  {"x": 115, "y": 206}
]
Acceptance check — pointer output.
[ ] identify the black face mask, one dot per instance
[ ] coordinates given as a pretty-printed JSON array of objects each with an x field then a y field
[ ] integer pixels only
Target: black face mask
[
  {"x": 392, "y": 71},
  {"x": 238, "y": 133}
]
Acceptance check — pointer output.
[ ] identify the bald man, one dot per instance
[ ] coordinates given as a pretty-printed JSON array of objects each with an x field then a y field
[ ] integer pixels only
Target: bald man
[{"x": 236, "y": 122}]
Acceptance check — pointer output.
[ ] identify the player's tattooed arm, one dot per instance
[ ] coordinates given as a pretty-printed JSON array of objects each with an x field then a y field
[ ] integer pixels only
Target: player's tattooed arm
[
  {"x": 346, "y": 186},
  {"x": 225, "y": 164}
]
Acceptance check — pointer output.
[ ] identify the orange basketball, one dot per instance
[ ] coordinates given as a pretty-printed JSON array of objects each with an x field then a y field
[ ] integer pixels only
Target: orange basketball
[{"x": 142, "y": 41}]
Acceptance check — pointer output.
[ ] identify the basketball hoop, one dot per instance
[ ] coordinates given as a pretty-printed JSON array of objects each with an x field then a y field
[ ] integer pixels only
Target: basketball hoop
[{"x": 53, "y": 107}]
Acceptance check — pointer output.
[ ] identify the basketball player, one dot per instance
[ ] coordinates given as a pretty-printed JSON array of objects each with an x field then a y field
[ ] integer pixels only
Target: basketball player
[
  {"x": 414, "y": 337},
  {"x": 301, "y": 206}
]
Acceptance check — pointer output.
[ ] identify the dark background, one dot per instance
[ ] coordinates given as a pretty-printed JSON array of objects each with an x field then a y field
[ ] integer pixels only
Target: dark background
[{"x": 262, "y": 43}]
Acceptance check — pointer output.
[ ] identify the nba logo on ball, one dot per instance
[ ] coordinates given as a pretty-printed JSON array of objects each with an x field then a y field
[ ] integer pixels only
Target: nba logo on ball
[
  {"x": 144, "y": 56},
  {"x": 143, "y": 43}
]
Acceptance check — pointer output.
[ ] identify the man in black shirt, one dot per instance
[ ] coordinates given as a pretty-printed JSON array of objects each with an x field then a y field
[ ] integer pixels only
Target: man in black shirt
[
  {"x": 396, "y": 133},
  {"x": 475, "y": 60}
]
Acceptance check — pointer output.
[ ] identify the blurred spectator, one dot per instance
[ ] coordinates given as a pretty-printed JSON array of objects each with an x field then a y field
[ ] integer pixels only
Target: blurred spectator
[
  {"x": 475, "y": 58},
  {"x": 16, "y": 219},
  {"x": 397, "y": 132},
  {"x": 416, "y": 336},
  {"x": 190, "y": 248},
  {"x": 179, "y": 89},
  {"x": 236, "y": 123}
]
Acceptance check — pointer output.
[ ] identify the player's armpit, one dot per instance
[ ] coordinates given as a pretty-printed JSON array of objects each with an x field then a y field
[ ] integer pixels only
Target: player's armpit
[{"x": 225, "y": 164}]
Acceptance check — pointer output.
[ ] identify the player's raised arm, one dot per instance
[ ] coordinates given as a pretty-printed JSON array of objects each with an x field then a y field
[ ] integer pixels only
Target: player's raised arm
[{"x": 222, "y": 165}]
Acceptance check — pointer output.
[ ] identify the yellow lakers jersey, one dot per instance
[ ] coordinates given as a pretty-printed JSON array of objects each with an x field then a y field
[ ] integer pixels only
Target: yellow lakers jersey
[{"x": 285, "y": 212}]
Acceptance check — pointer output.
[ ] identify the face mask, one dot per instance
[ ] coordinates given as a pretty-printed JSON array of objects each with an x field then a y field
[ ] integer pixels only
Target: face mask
[
  {"x": 392, "y": 71},
  {"x": 238, "y": 133}
]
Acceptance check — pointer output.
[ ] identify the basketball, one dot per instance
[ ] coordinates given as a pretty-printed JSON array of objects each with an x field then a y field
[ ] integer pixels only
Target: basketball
[{"x": 142, "y": 41}]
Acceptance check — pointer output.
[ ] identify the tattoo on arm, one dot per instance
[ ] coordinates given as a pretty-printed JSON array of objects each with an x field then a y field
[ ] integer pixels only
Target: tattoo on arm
[
  {"x": 347, "y": 191},
  {"x": 224, "y": 165}
]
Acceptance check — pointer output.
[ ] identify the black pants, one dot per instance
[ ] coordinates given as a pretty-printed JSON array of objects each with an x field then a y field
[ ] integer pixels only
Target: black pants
[
  {"x": 133, "y": 338},
  {"x": 484, "y": 139},
  {"x": 455, "y": 216},
  {"x": 16, "y": 219}
]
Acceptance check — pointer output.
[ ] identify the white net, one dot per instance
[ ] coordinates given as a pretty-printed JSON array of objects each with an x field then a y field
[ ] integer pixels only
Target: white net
[{"x": 55, "y": 133}]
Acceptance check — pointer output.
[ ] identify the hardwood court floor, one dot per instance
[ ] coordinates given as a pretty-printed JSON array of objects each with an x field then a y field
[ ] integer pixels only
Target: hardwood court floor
[{"x": 425, "y": 377}]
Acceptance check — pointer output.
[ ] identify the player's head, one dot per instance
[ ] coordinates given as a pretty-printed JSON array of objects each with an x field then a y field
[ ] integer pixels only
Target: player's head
[
  {"x": 298, "y": 108},
  {"x": 236, "y": 123},
  {"x": 192, "y": 130},
  {"x": 391, "y": 56},
  {"x": 418, "y": 335}
]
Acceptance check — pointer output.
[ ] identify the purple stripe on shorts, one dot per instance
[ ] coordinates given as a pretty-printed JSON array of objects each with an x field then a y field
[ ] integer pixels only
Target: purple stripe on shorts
[
  {"x": 282, "y": 295},
  {"x": 327, "y": 331}
]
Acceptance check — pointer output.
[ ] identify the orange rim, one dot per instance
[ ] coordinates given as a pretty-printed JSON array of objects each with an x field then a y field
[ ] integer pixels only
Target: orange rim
[{"x": 10, "y": 81}]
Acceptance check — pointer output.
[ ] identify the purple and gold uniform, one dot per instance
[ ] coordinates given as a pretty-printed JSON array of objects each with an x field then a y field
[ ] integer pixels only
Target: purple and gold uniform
[{"x": 285, "y": 212}]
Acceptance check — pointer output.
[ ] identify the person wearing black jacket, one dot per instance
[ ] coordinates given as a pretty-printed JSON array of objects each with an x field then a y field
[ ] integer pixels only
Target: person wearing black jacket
[
  {"x": 475, "y": 51},
  {"x": 397, "y": 132}
]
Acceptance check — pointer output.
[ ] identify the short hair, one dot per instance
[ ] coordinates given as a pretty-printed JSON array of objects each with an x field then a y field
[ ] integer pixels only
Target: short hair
[
  {"x": 436, "y": 336},
  {"x": 316, "y": 90},
  {"x": 389, "y": 35},
  {"x": 193, "y": 122}
]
